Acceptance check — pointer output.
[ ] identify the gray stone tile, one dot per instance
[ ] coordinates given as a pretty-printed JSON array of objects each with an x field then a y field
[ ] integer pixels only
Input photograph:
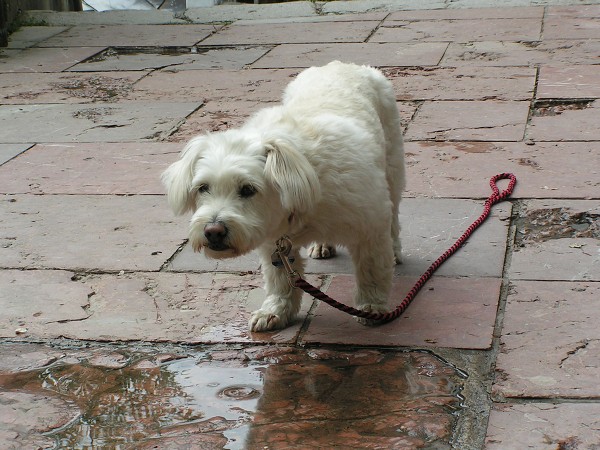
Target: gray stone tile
[
  {"x": 29, "y": 36},
  {"x": 383, "y": 55},
  {"x": 543, "y": 425},
  {"x": 449, "y": 312},
  {"x": 34, "y": 60},
  {"x": 549, "y": 345},
  {"x": 88, "y": 232},
  {"x": 93, "y": 123},
  {"x": 467, "y": 14},
  {"x": 105, "y": 168},
  {"x": 557, "y": 240},
  {"x": 9, "y": 151}
]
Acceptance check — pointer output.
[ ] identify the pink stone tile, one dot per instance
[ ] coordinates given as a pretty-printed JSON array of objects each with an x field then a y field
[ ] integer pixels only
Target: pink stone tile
[
  {"x": 574, "y": 11},
  {"x": 107, "y": 168},
  {"x": 468, "y": 14},
  {"x": 557, "y": 240},
  {"x": 250, "y": 85},
  {"x": 35, "y": 60},
  {"x": 28, "y": 36},
  {"x": 35, "y": 88},
  {"x": 560, "y": 27},
  {"x": 494, "y": 53},
  {"x": 565, "y": 121},
  {"x": 543, "y": 425},
  {"x": 463, "y": 169},
  {"x": 189, "y": 308},
  {"x": 568, "y": 82},
  {"x": 130, "y": 35},
  {"x": 292, "y": 33},
  {"x": 462, "y": 83},
  {"x": 466, "y": 30},
  {"x": 449, "y": 312},
  {"x": 382, "y": 55},
  {"x": 88, "y": 232},
  {"x": 469, "y": 120},
  {"x": 550, "y": 341}
]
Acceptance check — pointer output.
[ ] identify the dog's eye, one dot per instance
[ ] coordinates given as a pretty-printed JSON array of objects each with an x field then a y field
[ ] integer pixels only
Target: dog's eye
[
  {"x": 247, "y": 190},
  {"x": 202, "y": 188}
]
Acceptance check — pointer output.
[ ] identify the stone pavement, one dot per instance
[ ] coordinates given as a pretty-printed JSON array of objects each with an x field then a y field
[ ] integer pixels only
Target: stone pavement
[{"x": 115, "y": 335}]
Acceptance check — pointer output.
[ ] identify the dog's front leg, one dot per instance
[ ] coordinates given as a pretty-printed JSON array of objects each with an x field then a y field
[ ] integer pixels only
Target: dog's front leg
[{"x": 283, "y": 302}]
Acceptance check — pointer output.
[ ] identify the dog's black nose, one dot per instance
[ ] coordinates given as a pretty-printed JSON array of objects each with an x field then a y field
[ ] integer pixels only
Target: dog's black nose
[{"x": 215, "y": 234}]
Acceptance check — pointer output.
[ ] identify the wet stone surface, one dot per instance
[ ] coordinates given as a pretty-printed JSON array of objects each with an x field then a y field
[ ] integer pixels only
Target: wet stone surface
[{"x": 257, "y": 397}]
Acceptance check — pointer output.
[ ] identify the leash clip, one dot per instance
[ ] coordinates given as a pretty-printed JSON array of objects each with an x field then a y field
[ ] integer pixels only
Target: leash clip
[{"x": 281, "y": 258}]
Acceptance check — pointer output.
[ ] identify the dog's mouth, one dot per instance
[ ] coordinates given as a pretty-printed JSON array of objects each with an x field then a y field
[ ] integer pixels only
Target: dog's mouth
[{"x": 218, "y": 247}]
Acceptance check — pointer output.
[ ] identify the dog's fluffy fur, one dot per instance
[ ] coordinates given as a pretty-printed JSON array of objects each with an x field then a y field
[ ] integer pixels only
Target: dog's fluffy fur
[{"x": 325, "y": 166}]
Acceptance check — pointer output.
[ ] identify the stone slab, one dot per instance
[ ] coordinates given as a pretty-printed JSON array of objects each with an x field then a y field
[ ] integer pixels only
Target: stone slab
[
  {"x": 462, "y": 83},
  {"x": 259, "y": 85},
  {"x": 494, "y": 53},
  {"x": 567, "y": 121},
  {"x": 583, "y": 11},
  {"x": 449, "y": 312},
  {"x": 88, "y": 232},
  {"x": 429, "y": 227},
  {"x": 29, "y": 36},
  {"x": 292, "y": 33},
  {"x": 467, "y": 14},
  {"x": 157, "y": 307},
  {"x": 568, "y": 82},
  {"x": 81, "y": 169},
  {"x": 557, "y": 240},
  {"x": 550, "y": 341},
  {"x": 463, "y": 169},
  {"x": 466, "y": 30},
  {"x": 132, "y": 35},
  {"x": 469, "y": 120},
  {"x": 544, "y": 425},
  {"x": 30, "y": 88},
  {"x": 174, "y": 60},
  {"x": 377, "y": 16},
  {"x": 37, "y": 60},
  {"x": 382, "y": 55},
  {"x": 556, "y": 27},
  {"x": 9, "y": 151},
  {"x": 116, "y": 122}
]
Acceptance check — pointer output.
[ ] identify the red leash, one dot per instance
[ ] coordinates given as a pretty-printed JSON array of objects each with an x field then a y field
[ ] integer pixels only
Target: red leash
[{"x": 380, "y": 318}]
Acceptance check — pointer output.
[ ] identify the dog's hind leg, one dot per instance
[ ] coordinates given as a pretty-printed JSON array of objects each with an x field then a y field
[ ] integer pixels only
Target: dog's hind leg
[{"x": 283, "y": 302}]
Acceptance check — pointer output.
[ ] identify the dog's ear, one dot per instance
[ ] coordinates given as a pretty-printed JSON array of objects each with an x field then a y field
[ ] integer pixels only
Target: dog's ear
[
  {"x": 292, "y": 175},
  {"x": 179, "y": 175}
]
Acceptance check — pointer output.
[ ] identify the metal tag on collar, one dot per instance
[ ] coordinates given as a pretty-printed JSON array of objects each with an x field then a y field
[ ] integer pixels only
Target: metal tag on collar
[{"x": 281, "y": 255}]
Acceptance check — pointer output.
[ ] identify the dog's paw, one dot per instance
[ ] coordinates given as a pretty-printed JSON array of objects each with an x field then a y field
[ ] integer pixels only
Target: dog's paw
[
  {"x": 321, "y": 251},
  {"x": 371, "y": 308},
  {"x": 262, "y": 320}
]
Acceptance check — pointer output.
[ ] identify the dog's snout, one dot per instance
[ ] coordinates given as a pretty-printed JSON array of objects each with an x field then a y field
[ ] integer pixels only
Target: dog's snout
[{"x": 215, "y": 232}]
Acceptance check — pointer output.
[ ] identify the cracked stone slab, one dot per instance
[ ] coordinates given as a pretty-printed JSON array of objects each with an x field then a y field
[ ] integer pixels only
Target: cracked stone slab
[
  {"x": 34, "y": 88},
  {"x": 79, "y": 169},
  {"x": 9, "y": 151},
  {"x": 448, "y": 312},
  {"x": 557, "y": 240},
  {"x": 91, "y": 123},
  {"x": 292, "y": 33},
  {"x": 88, "y": 232},
  {"x": 462, "y": 83},
  {"x": 467, "y": 14},
  {"x": 131, "y": 35},
  {"x": 466, "y": 30},
  {"x": 185, "y": 308},
  {"x": 36, "y": 60},
  {"x": 495, "y": 53},
  {"x": 375, "y": 54},
  {"x": 544, "y": 425},
  {"x": 550, "y": 343},
  {"x": 429, "y": 227},
  {"x": 29, "y": 36},
  {"x": 258, "y": 85},
  {"x": 469, "y": 120},
  {"x": 568, "y": 82},
  {"x": 463, "y": 169},
  {"x": 198, "y": 58},
  {"x": 565, "y": 121}
]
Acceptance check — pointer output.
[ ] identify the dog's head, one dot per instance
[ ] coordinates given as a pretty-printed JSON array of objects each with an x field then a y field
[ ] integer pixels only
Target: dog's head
[{"x": 242, "y": 187}]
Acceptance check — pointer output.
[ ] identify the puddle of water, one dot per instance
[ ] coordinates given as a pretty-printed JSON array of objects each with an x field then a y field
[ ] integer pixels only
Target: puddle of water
[{"x": 253, "y": 398}]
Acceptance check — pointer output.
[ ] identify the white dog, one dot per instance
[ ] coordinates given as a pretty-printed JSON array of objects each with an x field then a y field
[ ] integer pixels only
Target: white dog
[{"x": 325, "y": 166}]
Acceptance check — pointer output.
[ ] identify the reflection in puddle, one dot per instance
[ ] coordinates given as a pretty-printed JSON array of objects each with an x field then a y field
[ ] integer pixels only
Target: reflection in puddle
[{"x": 262, "y": 397}]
